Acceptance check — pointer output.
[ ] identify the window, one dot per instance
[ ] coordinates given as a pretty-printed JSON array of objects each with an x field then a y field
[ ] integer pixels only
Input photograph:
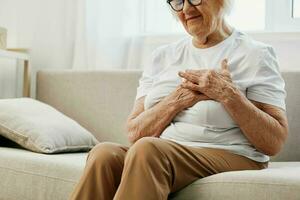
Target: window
[
  {"x": 296, "y": 8},
  {"x": 279, "y": 15},
  {"x": 247, "y": 15},
  {"x": 159, "y": 18},
  {"x": 243, "y": 17}
]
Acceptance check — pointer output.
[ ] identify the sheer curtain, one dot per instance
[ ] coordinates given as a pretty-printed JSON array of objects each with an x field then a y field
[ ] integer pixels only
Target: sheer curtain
[
  {"x": 122, "y": 34},
  {"x": 114, "y": 34},
  {"x": 104, "y": 33}
]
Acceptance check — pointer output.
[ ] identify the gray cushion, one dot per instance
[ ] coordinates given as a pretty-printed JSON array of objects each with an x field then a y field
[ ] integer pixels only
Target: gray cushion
[{"x": 41, "y": 128}]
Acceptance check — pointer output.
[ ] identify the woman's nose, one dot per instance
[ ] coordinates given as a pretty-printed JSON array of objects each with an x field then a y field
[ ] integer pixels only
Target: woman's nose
[{"x": 187, "y": 7}]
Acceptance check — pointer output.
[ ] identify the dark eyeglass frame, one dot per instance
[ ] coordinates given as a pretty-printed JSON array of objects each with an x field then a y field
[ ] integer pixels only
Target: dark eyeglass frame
[{"x": 190, "y": 2}]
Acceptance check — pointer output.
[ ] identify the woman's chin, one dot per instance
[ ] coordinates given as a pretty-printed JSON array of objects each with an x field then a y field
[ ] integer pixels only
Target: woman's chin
[{"x": 196, "y": 31}]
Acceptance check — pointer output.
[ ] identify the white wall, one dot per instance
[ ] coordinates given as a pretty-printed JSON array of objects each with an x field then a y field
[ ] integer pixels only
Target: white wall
[
  {"x": 8, "y": 18},
  {"x": 47, "y": 27}
]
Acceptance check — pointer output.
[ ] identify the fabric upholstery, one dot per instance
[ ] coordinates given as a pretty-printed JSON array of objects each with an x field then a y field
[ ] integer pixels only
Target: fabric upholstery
[
  {"x": 291, "y": 149},
  {"x": 279, "y": 181},
  {"x": 40, "y": 128},
  {"x": 99, "y": 100},
  {"x": 112, "y": 96},
  {"x": 31, "y": 176}
]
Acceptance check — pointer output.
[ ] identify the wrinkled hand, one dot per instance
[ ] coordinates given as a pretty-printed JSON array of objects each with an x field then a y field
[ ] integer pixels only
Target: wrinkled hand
[
  {"x": 185, "y": 98},
  {"x": 212, "y": 83}
]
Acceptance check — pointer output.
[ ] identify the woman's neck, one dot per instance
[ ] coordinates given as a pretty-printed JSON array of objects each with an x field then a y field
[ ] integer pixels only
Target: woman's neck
[{"x": 223, "y": 31}]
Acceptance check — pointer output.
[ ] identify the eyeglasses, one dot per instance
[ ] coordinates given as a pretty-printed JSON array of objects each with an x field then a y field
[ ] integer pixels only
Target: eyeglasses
[{"x": 177, "y": 5}]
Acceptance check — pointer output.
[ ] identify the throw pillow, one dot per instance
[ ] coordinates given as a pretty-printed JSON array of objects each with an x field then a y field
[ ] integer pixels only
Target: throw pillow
[{"x": 41, "y": 128}]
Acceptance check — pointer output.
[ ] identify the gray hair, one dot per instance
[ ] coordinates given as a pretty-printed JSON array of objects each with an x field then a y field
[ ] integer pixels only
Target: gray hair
[{"x": 228, "y": 6}]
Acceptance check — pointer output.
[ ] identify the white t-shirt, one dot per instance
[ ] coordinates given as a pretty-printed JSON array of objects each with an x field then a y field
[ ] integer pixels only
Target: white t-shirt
[{"x": 254, "y": 70}]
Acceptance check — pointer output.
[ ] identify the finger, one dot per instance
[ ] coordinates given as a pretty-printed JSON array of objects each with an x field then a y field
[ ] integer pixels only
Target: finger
[
  {"x": 190, "y": 77},
  {"x": 195, "y": 71},
  {"x": 191, "y": 86},
  {"x": 191, "y": 70},
  {"x": 225, "y": 65}
]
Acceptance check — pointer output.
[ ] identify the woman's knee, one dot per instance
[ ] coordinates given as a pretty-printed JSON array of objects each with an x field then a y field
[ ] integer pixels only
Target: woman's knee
[
  {"x": 145, "y": 148},
  {"x": 105, "y": 153}
]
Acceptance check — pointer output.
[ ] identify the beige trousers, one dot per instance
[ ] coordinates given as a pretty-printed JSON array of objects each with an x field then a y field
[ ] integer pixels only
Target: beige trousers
[{"x": 152, "y": 168}]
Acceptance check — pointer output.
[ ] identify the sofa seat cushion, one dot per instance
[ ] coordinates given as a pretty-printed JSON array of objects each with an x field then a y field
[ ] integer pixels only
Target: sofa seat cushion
[
  {"x": 26, "y": 174},
  {"x": 280, "y": 181}
]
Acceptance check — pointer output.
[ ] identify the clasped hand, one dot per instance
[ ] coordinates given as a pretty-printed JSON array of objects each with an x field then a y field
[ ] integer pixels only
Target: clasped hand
[{"x": 211, "y": 83}]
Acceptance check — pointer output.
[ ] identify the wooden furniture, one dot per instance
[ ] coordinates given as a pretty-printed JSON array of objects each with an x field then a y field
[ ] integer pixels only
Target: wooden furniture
[
  {"x": 3, "y": 38},
  {"x": 22, "y": 55}
]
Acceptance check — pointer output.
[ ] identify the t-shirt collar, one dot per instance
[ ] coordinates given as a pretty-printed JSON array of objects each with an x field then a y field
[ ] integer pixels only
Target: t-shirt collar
[{"x": 223, "y": 43}]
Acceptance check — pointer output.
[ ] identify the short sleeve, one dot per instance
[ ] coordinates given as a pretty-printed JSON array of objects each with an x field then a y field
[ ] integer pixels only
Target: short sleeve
[
  {"x": 267, "y": 85},
  {"x": 152, "y": 68}
]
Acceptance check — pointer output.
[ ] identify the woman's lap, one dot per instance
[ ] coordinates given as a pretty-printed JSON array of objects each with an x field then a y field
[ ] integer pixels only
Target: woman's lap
[{"x": 186, "y": 164}]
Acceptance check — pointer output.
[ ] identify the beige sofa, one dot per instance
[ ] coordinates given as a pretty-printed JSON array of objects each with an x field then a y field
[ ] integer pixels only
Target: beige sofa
[{"x": 101, "y": 101}]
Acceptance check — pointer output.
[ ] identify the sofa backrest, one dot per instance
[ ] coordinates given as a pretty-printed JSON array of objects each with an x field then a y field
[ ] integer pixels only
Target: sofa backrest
[
  {"x": 291, "y": 149},
  {"x": 98, "y": 100},
  {"x": 101, "y": 101}
]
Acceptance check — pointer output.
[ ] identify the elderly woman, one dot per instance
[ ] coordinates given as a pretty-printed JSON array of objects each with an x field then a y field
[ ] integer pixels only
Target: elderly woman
[{"x": 210, "y": 103}]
